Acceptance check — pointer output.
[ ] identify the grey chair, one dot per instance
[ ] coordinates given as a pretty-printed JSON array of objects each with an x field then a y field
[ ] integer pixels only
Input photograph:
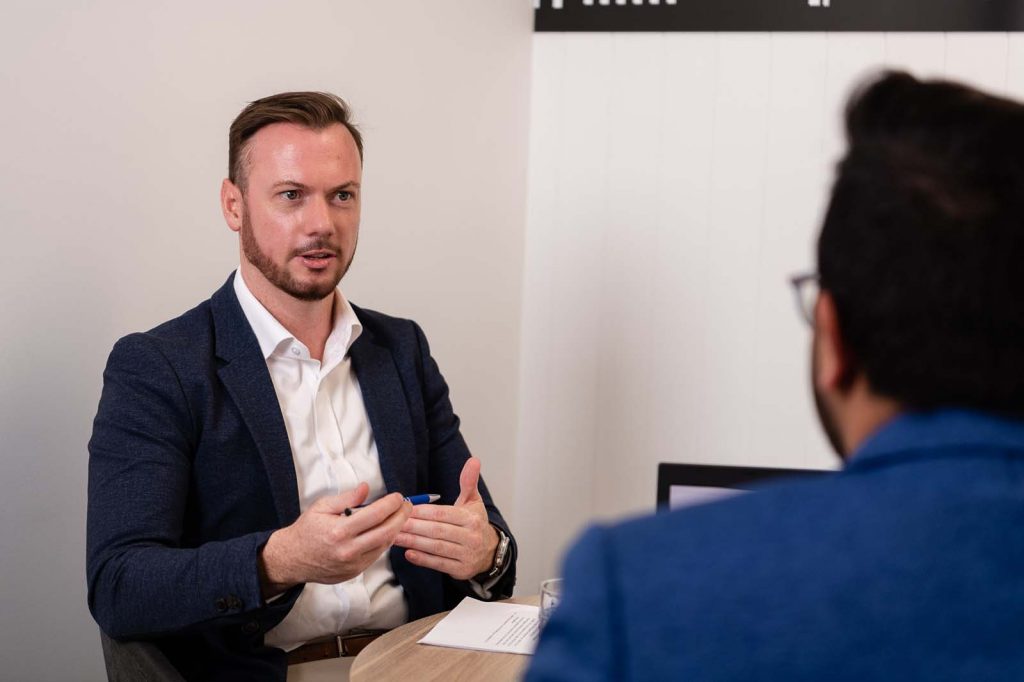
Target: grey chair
[{"x": 136, "y": 661}]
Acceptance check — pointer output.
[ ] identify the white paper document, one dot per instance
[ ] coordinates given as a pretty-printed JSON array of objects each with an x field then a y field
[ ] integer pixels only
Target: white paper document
[{"x": 487, "y": 626}]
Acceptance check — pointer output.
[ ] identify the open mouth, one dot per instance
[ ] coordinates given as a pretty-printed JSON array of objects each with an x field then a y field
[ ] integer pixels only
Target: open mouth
[{"x": 317, "y": 259}]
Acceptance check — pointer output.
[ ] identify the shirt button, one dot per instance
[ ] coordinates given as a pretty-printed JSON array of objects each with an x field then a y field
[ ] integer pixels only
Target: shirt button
[{"x": 295, "y": 351}]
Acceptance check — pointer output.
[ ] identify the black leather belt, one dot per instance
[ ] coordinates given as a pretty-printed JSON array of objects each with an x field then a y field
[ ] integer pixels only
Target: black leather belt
[{"x": 333, "y": 647}]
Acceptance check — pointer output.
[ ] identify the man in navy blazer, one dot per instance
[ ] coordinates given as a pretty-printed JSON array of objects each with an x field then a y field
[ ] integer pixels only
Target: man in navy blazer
[
  {"x": 201, "y": 533},
  {"x": 907, "y": 564}
]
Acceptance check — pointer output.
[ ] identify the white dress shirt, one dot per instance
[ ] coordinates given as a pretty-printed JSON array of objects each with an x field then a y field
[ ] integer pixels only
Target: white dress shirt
[{"x": 334, "y": 450}]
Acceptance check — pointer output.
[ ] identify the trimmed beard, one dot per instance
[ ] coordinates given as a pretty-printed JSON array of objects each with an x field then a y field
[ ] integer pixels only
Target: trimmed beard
[
  {"x": 279, "y": 276},
  {"x": 828, "y": 422}
]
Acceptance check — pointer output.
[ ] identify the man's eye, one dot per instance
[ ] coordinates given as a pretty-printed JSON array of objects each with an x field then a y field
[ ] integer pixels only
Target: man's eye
[
  {"x": 344, "y": 196},
  {"x": 290, "y": 194}
]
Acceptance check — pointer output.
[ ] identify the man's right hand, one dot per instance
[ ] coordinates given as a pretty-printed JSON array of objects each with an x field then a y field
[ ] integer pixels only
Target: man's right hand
[{"x": 325, "y": 546}]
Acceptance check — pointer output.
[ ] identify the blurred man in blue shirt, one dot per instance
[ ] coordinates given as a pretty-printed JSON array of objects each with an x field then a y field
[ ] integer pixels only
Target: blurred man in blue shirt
[{"x": 908, "y": 564}]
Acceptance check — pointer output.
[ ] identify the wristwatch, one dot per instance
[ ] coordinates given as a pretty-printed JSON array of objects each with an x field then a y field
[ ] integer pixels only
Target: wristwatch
[{"x": 500, "y": 553}]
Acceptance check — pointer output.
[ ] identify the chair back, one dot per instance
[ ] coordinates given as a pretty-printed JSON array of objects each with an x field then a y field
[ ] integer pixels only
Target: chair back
[{"x": 136, "y": 661}]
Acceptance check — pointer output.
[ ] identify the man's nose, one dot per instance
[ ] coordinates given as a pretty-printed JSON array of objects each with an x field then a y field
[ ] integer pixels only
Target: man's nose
[{"x": 318, "y": 218}]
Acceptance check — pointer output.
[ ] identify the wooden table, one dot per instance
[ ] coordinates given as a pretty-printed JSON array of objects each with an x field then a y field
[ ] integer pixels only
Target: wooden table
[{"x": 397, "y": 656}]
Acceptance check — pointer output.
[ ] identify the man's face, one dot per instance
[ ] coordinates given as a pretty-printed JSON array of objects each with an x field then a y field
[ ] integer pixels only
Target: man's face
[{"x": 301, "y": 206}]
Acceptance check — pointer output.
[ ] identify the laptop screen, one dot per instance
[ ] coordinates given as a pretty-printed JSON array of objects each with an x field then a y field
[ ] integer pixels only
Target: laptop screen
[{"x": 683, "y": 485}]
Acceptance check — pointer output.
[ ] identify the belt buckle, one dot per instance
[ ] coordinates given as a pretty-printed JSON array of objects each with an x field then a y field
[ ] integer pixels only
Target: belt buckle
[{"x": 343, "y": 641}]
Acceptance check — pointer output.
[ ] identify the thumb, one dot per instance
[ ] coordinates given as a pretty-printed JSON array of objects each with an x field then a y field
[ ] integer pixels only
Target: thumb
[
  {"x": 468, "y": 480},
  {"x": 336, "y": 504}
]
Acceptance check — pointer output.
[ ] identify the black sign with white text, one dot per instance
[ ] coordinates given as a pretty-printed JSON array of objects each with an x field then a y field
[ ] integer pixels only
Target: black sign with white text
[{"x": 779, "y": 15}]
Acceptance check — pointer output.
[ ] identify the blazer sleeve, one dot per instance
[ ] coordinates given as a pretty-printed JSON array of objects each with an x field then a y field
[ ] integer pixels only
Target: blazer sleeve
[
  {"x": 142, "y": 582},
  {"x": 448, "y": 454},
  {"x": 579, "y": 642}
]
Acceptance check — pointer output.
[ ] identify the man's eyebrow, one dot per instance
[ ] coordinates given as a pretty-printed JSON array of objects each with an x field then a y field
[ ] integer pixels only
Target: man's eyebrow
[
  {"x": 290, "y": 183},
  {"x": 351, "y": 184}
]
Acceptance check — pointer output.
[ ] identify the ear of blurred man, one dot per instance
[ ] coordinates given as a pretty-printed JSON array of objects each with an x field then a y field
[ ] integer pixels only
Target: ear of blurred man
[
  {"x": 848, "y": 408},
  {"x": 829, "y": 366}
]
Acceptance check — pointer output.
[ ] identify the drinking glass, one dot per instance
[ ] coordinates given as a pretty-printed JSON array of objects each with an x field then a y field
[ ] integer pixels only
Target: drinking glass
[{"x": 550, "y": 595}]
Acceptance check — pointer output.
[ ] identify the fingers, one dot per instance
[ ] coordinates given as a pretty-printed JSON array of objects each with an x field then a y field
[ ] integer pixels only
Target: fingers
[
  {"x": 461, "y": 551},
  {"x": 326, "y": 546},
  {"x": 438, "y": 531},
  {"x": 372, "y": 539},
  {"x": 433, "y": 546},
  {"x": 375, "y": 514},
  {"x": 336, "y": 504},
  {"x": 442, "y": 513},
  {"x": 468, "y": 480},
  {"x": 459, "y": 525},
  {"x": 456, "y": 569}
]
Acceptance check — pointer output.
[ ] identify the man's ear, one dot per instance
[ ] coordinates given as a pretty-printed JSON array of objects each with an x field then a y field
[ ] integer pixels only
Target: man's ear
[
  {"x": 836, "y": 368},
  {"x": 231, "y": 204}
]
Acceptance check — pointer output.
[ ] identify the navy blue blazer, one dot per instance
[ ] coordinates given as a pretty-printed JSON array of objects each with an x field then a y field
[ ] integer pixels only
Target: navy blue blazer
[
  {"x": 907, "y": 565},
  {"x": 190, "y": 471}
]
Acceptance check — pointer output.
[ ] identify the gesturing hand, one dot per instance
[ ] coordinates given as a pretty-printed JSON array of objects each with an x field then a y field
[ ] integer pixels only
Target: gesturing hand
[
  {"x": 325, "y": 546},
  {"x": 458, "y": 539}
]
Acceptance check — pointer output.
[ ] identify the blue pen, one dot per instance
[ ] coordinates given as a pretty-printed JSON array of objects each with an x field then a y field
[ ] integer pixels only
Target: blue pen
[{"x": 423, "y": 498}]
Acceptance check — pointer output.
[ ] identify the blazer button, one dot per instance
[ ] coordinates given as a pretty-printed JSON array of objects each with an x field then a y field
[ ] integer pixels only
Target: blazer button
[
  {"x": 234, "y": 602},
  {"x": 250, "y": 628},
  {"x": 221, "y": 604}
]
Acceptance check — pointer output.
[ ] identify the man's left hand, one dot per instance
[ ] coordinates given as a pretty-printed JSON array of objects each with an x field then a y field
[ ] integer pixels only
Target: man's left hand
[{"x": 457, "y": 540}]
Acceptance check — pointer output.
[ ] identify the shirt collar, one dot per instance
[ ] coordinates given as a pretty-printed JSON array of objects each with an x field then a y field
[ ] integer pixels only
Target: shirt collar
[
  {"x": 272, "y": 335},
  {"x": 942, "y": 429}
]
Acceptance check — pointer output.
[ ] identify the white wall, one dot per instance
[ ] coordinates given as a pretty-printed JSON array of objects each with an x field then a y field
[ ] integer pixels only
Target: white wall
[
  {"x": 114, "y": 140},
  {"x": 676, "y": 180}
]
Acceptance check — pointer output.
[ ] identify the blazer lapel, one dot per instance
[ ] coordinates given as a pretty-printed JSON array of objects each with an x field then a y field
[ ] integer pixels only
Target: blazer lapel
[
  {"x": 248, "y": 381},
  {"x": 388, "y": 411}
]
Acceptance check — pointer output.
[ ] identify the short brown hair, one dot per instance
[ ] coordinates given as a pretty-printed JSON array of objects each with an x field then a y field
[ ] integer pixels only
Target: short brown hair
[{"x": 314, "y": 110}]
